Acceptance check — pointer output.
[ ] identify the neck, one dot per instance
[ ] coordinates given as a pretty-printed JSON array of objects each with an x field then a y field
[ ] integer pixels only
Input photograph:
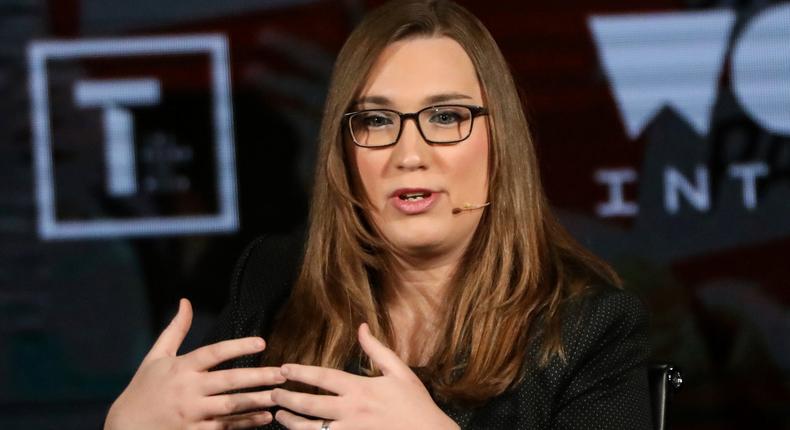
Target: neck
[
  {"x": 414, "y": 302},
  {"x": 417, "y": 287},
  {"x": 418, "y": 280},
  {"x": 418, "y": 290},
  {"x": 414, "y": 295}
]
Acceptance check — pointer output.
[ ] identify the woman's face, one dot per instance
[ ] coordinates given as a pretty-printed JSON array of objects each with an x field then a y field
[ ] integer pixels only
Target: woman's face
[{"x": 408, "y": 76}]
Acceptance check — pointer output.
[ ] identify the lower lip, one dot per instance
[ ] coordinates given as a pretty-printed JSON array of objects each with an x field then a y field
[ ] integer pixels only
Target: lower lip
[{"x": 413, "y": 207}]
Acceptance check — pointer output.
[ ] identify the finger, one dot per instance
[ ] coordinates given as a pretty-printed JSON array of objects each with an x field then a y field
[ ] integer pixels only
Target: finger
[
  {"x": 248, "y": 420},
  {"x": 241, "y": 421},
  {"x": 173, "y": 335},
  {"x": 384, "y": 358},
  {"x": 211, "y": 355},
  {"x": 294, "y": 422},
  {"x": 230, "y": 404},
  {"x": 308, "y": 404},
  {"x": 333, "y": 380},
  {"x": 221, "y": 381}
]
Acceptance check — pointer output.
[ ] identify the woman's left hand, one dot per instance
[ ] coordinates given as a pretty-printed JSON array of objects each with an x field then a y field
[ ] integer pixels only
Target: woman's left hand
[{"x": 396, "y": 400}]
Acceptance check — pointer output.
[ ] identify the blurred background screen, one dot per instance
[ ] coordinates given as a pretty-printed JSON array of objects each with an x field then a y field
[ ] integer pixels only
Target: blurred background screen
[{"x": 143, "y": 144}]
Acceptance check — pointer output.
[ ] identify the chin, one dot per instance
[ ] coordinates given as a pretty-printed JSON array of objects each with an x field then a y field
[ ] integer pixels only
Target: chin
[
  {"x": 419, "y": 245},
  {"x": 419, "y": 240},
  {"x": 424, "y": 235}
]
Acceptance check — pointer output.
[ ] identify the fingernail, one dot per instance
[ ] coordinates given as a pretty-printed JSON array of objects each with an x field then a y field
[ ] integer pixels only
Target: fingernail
[
  {"x": 279, "y": 378},
  {"x": 259, "y": 343},
  {"x": 284, "y": 371}
]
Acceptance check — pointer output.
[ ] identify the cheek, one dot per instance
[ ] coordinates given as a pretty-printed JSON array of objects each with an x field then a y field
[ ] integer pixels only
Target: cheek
[
  {"x": 470, "y": 165},
  {"x": 369, "y": 166}
]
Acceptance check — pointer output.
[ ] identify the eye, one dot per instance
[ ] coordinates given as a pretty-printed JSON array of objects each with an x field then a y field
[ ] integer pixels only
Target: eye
[
  {"x": 447, "y": 116},
  {"x": 376, "y": 120}
]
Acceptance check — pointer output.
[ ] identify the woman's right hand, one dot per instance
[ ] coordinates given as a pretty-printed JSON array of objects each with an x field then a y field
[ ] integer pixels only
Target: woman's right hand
[{"x": 179, "y": 392}]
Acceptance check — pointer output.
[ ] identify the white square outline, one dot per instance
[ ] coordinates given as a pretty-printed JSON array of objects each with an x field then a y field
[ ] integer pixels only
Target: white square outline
[{"x": 216, "y": 46}]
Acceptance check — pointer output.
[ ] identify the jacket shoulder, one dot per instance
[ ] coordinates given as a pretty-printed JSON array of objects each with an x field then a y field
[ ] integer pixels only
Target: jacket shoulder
[
  {"x": 604, "y": 376},
  {"x": 267, "y": 267},
  {"x": 260, "y": 285},
  {"x": 605, "y": 312}
]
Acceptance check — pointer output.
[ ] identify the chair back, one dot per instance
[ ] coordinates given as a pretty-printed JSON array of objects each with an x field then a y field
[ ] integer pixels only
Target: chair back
[{"x": 663, "y": 379}]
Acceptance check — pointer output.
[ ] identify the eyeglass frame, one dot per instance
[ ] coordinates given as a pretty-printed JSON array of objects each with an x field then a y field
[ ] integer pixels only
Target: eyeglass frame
[{"x": 474, "y": 109}]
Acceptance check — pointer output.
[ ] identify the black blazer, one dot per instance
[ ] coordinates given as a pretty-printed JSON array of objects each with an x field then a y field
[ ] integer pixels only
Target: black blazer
[{"x": 603, "y": 384}]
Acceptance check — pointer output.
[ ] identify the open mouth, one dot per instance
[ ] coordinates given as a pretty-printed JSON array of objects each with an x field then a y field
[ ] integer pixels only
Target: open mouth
[
  {"x": 413, "y": 201},
  {"x": 414, "y": 196}
]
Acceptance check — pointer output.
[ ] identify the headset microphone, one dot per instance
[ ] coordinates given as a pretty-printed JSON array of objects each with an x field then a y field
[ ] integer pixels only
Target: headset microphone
[{"x": 469, "y": 207}]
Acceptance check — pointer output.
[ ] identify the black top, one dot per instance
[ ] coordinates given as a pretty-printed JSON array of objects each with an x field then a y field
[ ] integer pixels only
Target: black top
[{"x": 603, "y": 384}]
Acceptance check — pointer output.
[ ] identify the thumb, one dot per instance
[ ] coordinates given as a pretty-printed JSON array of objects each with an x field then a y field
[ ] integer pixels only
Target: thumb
[
  {"x": 383, "y": 358},
  {"x": 173, "y": 335}
]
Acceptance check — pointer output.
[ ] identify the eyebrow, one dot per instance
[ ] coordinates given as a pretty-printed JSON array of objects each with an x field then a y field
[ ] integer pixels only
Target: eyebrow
[{"x": 434, "y": 99}]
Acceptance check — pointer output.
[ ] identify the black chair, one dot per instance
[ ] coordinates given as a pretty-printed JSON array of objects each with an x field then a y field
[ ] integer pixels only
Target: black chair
[{"x": 663, "y": 380}]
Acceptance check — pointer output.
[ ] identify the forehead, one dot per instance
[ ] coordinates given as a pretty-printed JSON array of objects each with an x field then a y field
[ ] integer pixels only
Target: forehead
[{"x": 410, "y": 71}]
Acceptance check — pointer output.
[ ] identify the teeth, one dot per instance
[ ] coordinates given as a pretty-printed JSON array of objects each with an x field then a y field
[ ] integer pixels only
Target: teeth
[{"x": 413, "y": 196}]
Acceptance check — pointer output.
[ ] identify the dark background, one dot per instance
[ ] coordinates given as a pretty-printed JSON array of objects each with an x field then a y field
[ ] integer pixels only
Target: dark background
[{"x": 77, "y": 316}]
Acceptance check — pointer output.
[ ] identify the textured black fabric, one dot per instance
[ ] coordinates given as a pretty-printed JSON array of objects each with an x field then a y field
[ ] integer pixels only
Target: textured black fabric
[{"x": 603, "y": 384}]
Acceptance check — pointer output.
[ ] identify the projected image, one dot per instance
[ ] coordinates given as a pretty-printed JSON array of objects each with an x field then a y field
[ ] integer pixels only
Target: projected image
[{"x": 132, "y": 137}]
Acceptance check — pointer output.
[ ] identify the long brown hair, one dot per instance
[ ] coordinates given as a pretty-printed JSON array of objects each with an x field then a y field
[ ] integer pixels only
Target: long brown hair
[{"x": 518, "y": 272}]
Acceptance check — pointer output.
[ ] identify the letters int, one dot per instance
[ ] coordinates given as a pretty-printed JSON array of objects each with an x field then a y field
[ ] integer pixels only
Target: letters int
[{"x": 693, "y": 189}]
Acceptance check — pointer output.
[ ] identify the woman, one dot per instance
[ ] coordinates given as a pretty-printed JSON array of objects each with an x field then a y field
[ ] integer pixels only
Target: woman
[{"x": 434, "y": 288}]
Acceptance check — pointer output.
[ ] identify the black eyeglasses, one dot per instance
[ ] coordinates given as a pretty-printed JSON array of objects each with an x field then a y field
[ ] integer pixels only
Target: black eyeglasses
[{"x": 442, "y": 124}]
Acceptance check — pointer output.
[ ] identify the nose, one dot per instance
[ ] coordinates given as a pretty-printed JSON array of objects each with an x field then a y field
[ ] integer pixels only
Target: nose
[{"x": 411, "y": 152}]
